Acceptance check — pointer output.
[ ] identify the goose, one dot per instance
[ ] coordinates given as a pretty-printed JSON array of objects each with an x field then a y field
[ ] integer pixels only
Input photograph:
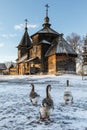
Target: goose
[
  {"x": 34, "y": 97},
  {"x": 68, "y": 95},
  {"x": 47, "y": 105}
]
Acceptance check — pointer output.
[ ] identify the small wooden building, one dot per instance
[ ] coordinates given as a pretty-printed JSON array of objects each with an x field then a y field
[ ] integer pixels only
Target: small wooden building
[
  {"x": 2, "y": 68},
  {"x": 12, "y": 70},
  {"x": 45, "y": 52}
]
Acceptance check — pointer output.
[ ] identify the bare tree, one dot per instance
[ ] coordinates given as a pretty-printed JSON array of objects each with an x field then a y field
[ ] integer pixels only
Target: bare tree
[
  {"x": 77, "y": 43},
  {"x": 74, "y": 40}
]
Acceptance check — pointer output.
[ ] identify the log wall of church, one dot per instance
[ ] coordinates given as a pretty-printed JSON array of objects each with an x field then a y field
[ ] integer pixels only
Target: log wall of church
[{"x": 52, "y": 64}]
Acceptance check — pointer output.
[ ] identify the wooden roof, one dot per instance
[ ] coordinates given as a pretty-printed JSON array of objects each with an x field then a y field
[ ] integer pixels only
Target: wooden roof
[
  {"x": 22, "y": 59},
  {"x": 3, "y": 66},
  {"x": 12, "y": 65},
  {"x": 45, "y": 42},
  {"x": 25, "y": 41},
  {"x": 60, "y": 47},
  {"x": 46, "y": 30}
]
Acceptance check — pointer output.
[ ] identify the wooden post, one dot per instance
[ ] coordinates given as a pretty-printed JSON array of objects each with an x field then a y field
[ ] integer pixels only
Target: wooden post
[
  {"x": 67, "y": 83},
  {"x": 82, "y": 71}
]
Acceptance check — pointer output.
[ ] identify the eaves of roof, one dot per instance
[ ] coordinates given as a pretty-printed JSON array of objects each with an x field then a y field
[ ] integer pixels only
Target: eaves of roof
[
  {"x": 46, "y": 30},
  {"x": 61, "y": 47},
  {"x": 3, "y": 66},
  {"x": 22, "y": 59}
]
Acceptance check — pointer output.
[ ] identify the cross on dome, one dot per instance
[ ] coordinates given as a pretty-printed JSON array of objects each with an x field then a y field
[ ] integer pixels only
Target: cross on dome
[{"x": 47, "y": 6}]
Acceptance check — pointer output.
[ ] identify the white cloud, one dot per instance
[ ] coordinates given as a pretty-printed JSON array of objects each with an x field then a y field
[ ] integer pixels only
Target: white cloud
[
  {"x": 32, "y": 26},
  {"x": 21, "y": 26},
  {"x": 12, "y": 35},
  {"x": 1, "y": 45},
  {"x": 8, "y": 35}
]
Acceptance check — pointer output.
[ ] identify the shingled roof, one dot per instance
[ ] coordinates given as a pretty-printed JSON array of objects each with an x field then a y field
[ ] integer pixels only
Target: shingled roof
[
  {"x": 46, "y": 30},
  {"x": 25, "y": 41},
  {"x": 60, "y": 46},
  {"x": 3, "y": 66},
  {"x": 45, "y": 42}
]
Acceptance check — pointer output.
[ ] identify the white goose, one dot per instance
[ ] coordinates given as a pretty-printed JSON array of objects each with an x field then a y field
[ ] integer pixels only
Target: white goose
[
  {"x": 33, "y": 95},
  {"x": 68, "y": 95},
  {"x": 47, "y": 105}
]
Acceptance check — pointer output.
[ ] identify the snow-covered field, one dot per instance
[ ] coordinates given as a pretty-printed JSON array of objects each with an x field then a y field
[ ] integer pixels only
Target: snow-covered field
[{"x": 17, "y": 113}]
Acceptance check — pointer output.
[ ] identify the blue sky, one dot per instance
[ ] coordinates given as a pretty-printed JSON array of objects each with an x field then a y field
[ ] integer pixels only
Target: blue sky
[{"x": 66, "y": 16}]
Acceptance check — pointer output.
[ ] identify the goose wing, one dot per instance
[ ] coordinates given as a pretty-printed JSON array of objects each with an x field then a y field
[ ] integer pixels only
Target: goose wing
[
  {"x": 48, "y": 102},
  {"x": 34, "y": 95}
]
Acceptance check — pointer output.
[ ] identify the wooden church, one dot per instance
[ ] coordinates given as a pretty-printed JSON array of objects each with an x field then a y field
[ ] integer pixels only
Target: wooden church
[{"x": 45, "y": 52}]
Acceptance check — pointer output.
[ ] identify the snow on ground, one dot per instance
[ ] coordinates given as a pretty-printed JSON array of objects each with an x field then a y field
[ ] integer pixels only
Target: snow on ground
[{"x": 17, "y": 113}]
